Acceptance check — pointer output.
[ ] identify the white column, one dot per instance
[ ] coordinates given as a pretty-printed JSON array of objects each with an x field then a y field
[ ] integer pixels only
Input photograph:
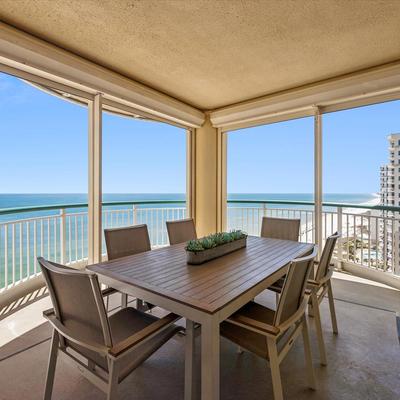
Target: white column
[
  {"x": 63, "y": 237},
  {"x": 95, "y": 180},
  {"x": 340, "y": 241},
  {"x": 221, "y": 180},
  {"x": 191, "y": 173},
  {"x": 318, "y": 178}
]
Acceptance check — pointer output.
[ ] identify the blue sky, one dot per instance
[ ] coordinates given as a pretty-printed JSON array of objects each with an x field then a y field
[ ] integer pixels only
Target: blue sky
[
  {"x": 44, "y": 150},
  {"x": 278, "y": 158},
  {"x": 44, "y": 147}
]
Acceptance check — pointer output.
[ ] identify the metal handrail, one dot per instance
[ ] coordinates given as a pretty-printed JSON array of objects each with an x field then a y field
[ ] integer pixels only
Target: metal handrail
[
  {"x": 5, "y": 211},
  {"x": 311, "y": 203},
  {"x": 17, "y": 210}
]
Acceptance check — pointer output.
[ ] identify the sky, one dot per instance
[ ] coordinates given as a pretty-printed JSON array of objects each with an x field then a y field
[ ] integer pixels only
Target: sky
[
  {"x": 279, "y": 158},
  {"x": 44, "y": 149},
  {"x": 44, "y": 146}
]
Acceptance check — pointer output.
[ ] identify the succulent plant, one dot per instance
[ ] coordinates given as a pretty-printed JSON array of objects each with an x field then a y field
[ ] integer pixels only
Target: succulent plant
[
  {"x": 208, "y": 242},
  {"x": 237, "y": 234},
  {"x": 194, "y": 245},
  {"x": 214, "y": 240}
]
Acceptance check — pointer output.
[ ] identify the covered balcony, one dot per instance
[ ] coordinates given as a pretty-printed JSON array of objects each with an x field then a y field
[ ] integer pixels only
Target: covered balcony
[{"x": 207, "y": 68}]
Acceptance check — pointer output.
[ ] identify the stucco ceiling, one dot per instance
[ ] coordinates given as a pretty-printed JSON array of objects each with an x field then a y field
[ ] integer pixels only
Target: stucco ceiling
[{"x": 212, "y": 53}]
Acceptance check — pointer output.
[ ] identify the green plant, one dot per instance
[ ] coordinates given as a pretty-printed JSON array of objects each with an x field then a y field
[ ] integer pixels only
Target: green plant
[{"x": 214, "y": 240}]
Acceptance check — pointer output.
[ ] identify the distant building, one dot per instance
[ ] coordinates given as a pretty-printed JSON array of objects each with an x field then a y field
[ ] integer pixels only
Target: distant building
[{"x": 390, "y": 196}]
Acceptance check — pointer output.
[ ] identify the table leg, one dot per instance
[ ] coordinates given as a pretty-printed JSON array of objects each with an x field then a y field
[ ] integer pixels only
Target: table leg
[
  {"x": 210, "y": 354},
  {"x": 189, "y": 361}
]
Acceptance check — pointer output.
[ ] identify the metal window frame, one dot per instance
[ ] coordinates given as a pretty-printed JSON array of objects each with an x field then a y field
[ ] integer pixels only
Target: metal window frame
[{"x": 97, "y": 104}]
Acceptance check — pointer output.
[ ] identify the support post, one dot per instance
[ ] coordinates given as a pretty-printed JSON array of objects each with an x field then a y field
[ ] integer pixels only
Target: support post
[
  {"x": 190, "y": 375},
  {"x": 221, "y": 180},
  {"x": 318, "y": 178},
  {"x": 63, "y": 234},
  {"x": 95, "y": 181},
  {"x": 191, "y": 173},
  {"x": 395, "y": 249},
  {"x": 340, "y": 240}
]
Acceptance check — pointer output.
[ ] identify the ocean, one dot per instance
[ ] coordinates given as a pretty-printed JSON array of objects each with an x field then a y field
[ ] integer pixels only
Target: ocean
[
  {"x": 24, "y": 236},
  {"x": 30, "y": 200}
]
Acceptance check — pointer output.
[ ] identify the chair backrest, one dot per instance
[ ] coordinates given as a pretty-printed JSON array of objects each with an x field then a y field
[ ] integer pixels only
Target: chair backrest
[
  {"x": 326, "y": 257},
  {"x": 293, "y": 290},
  {"x": 181, "y": 231},
  {"x": 280, "y": 228},
  {"x": 77, "y": 302},
  {"x": 122, "y": 242}
]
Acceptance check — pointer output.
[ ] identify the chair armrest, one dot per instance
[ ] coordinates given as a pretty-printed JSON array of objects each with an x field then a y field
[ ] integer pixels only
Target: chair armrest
[
  {"x": 254, "y": 325},
  {"x": 108, "y": 291},
  {"x": 67, "y": 334},
  {"x": 48, "y": 312},
  {"x": 326, "y": 278},
  {"x": 145, "y": 334},
  {"x": 313, "y": 283},
  {"x": 317, "y": 284},
  {"x": 297, "y": 315}
]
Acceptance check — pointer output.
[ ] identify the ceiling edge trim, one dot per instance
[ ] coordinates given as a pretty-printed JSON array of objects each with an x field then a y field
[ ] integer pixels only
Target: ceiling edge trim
[
  {"x": 25, "y": 52},
  {"x": 333, "y": 94}
]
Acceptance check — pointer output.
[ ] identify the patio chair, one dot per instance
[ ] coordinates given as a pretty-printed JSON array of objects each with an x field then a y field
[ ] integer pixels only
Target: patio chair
[
  {"x": 104, "y": 349},
  {"x": 270, "y": 334},
  {"x": 127, "y": 241},
  {"x": 181, "y": 231},
  {"x": 280, "y": 228},
  {"x": 319, "y": 287}
]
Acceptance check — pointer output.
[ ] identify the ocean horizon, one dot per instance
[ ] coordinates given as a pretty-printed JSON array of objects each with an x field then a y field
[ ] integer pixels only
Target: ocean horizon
[
  {"x": 13, "y": 200},
  {"x": 17, "y": 200}
]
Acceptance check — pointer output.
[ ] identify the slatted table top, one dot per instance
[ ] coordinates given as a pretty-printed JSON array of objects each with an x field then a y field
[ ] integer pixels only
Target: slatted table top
[{"x": 207, "y": 287}]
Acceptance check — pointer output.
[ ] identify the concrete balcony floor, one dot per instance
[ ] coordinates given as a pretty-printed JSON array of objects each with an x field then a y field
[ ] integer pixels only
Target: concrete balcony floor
[{"x": 364, "y": 359}]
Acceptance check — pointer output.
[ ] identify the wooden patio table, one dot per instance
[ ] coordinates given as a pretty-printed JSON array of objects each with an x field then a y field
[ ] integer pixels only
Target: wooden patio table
[{"x": 205, "y": 294}]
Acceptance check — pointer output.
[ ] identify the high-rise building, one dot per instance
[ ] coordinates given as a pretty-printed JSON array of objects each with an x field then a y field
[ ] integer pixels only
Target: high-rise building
[{"x": 390, "y": 196}]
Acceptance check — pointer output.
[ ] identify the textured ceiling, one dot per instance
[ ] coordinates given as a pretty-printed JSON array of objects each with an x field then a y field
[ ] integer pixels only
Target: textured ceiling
[{"x": 212, "y": 53}]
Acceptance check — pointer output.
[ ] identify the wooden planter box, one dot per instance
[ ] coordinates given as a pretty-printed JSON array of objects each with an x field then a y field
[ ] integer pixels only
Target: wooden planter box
[{"x": 219, "y": 251}]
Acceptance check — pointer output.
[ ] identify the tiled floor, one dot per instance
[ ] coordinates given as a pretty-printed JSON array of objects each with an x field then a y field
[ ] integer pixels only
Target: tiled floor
[{"x": 364, "y": 360}]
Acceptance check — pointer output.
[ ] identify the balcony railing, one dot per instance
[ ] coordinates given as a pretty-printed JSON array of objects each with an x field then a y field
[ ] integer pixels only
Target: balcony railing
[
  {"x": 370, "y": 235},
  {"x": 60, "y": 233}
]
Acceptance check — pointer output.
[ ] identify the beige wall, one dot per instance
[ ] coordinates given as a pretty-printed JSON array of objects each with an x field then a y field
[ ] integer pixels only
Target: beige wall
[{"x": 206, "y": 185}]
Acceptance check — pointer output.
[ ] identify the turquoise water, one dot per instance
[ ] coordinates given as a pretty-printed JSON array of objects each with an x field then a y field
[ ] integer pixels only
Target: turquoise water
[
  {"x": 32, "y": 200},
  {"x": 20, "y": 244},
  {"x": 357, "y": 198},
  {"x": 27, "y": 200}
]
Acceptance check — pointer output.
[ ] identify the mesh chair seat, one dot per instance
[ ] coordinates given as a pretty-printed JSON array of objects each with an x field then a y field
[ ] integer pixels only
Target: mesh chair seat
[
  {"x": 246, "y": 338},
  {"x": 280, "y": 228},
  {"x": 320, "y": 286},
  {"x": 278, "y": 285},
  {"x": 84, "y": 333},
  {"x": 270, "y": 334},
  {"x": 123, "y": 324},
  {"x": 181, "y": 231},
  {"x": 127, "y": 241}
]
